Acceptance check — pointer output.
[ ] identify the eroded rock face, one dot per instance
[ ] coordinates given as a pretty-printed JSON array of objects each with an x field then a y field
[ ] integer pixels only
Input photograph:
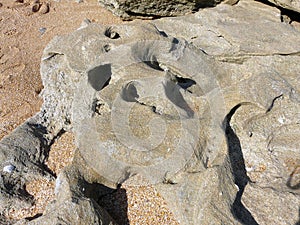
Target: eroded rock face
[
  {"x": 203, "y": 107},
  {"x": 131, "y": 9},
  {"x": 143, "y": 106}
]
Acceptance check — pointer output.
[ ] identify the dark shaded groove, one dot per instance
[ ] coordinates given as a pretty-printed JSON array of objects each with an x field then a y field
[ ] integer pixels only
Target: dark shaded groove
[
  {"x": 153, "y": 65},
  {"x": 237, "y": 162},
  {"x": 110, "y": 33},
  {"x": 51, "y": 55},
  {"x": 34, "y": 217},
  {"x": 294, "y": 16},
  {"x": 272, "y": 104},
  {"x": 172, "y": 91},
  {"x": 141, "y": 15},
  {"x": 289, "y": 181},
  {"x": 298, "y": 223},
  {"x": 129, "y": 92},
  {"x": 184, "y": 83},
  {"x": 47, "y": 152},
  {"x": 40, "y": 131},
  {"x": 162, "y": 33},
  {"x": 60, "y": 133},
  {"x": 107, "y": 47}
]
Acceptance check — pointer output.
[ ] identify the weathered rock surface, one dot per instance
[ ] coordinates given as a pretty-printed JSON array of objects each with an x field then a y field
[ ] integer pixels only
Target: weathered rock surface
[
  {"x": 130, "y": 9},
  {"x": 205, "y": 107},
  {"x": 76, "y": 199},
  {"x": 72, "y": 211},
  {"x": 229, "y": 32},
  {"x": 287, "y": 4},
  {"x": 141, "y": 114}
]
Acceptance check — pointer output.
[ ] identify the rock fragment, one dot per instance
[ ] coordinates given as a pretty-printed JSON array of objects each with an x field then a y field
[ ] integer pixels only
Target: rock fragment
[{"x": 130, "y": 9}]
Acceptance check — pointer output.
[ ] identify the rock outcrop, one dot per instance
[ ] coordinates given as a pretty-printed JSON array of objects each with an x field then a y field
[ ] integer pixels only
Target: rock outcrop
[
  {"x": 146, "y": 9},
  {"x": 130, "y": 9},
  {"x": 204, "y": 107}
]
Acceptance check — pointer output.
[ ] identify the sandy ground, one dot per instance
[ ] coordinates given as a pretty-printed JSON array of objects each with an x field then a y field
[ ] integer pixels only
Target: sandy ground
[{"x": 25, "y": 29}]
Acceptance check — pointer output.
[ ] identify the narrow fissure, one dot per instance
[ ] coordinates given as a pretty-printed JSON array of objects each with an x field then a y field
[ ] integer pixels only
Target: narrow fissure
[{"x": 237, "y": 162}]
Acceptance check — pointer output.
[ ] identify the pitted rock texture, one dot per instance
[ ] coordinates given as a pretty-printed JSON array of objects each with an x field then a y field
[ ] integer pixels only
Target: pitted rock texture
[
  {"x": 130, "y": 9},
  {"x": 203, "y": 107},
  {"x": 139, "y": 108}
]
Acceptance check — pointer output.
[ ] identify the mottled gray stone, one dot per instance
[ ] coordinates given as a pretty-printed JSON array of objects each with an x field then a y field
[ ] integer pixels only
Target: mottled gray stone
[
  {"x": 269, "y": 206},
  {"x": 248, "y": 29},
  {"x": 141, "y": 114},
  {"x": 130, "y": 9},
  {"x": 204, "y": 107}
]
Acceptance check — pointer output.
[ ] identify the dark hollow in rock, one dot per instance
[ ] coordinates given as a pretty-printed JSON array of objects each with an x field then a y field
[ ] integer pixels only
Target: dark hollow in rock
[
  {"x": 100, "y": 76},
  {"x": 110, "y": 33}
]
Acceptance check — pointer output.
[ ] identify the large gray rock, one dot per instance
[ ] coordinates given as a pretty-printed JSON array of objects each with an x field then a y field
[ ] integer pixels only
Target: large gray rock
[
  {"x": 137, "y": 109},
  {"x": 204, "y": 107},
  {"x": 263, "y": 84},
  {"x": 269, "y": 142},
  {"x": 131, "y": 9}
]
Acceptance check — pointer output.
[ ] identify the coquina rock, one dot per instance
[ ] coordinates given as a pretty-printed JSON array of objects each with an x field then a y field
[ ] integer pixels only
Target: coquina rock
[
  {"x": 138, "y": 106},
  {"x": 204, "y": 107},
  {"x": 130, "y": 9},
  {"x": 263, "y": 106}
]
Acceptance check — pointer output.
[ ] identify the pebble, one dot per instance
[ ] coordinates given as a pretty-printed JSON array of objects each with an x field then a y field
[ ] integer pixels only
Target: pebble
[
  {"x": 44, "y": 8},
  {"x": 42, "y": 30},
  {"x": 85, "y": 23},
  {"x": 9, "y": 168}
]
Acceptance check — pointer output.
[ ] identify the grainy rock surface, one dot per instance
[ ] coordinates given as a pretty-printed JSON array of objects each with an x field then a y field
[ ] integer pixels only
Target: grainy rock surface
[
  {"x": 72, "y": 211},
  {"x": 205, "y": 108},
  {"x": 130, "y": 9}
]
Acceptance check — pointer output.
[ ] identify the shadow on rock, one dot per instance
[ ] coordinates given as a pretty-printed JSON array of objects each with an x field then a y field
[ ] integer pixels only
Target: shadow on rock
[
  {"x": 116, "y": 204},
  {"x": 84, "y": 182},
  {"x": 298, "y": 223},
  {"x": 238, "y": 169},
  {"x": 290, "y": 181}
]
